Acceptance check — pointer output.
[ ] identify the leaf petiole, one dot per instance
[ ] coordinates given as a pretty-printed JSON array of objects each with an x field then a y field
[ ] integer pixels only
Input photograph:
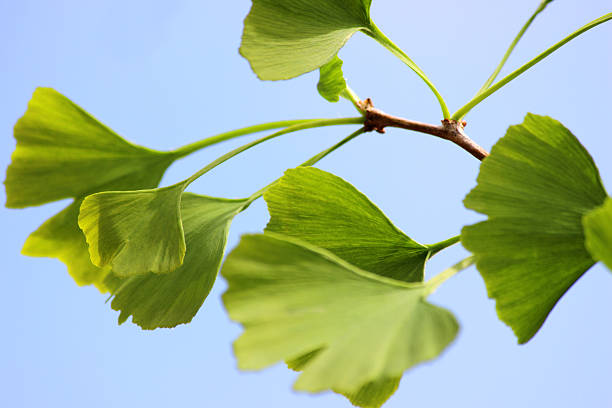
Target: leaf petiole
[
  {"x": 310, "y": 162},
  {"x": 294, "y": 128},
  {"x": 481, "y": 97},
  {"x": 222, "y": 137},
  {"x": 520, "y": 34},
  {"x": 446, "y": 274},
  {"x": 374, "y": 32},
  {"x": 439, "y": 246}
]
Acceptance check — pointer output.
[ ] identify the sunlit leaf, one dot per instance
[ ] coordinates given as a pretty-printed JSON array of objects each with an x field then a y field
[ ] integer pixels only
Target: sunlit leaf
[
  {"x": 331, "y": 80},
  {"x": 372, "y": 395},
  {"x": 326, "y": 211},
  {"x": 135, "y": 232},
  {"x": 293, "y": 298},
  {"x": 535, "y": 187},
  {"x": 286, "y": 38},
  {"x": 62, "y": 151},
  {"x": 598, "y": 232},
  {"x": 166, "y": 300},
  {"x": 60, "y": 237}
]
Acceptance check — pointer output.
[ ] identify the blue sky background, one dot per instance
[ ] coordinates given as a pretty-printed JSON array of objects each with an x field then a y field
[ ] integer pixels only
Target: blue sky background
[{"x": 163, "y": 74}]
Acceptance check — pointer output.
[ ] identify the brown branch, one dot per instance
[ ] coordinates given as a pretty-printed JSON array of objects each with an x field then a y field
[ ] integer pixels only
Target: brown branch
[{"x": 451, "y": 130}]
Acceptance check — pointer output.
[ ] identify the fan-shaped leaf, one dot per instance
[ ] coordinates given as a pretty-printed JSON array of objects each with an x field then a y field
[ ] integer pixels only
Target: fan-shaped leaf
[
  {"x": 535, "y": 187},
  {"x": 286, "y": 38},
  {"x": 135, "y": 232},
  {"x": 166, "y": 300},
  {"x": 326, "y": 211},
  {"x": 293, "y": 298},
  {"x": 62, "y": 151},
  {"x": 331, "y": 80},
  {"x": 598, "y": 231}
]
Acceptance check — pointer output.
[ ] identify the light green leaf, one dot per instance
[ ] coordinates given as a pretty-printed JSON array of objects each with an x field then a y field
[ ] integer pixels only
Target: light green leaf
[
  {"x": 372, "y": 395},
  {"x": 286, "y": 38},
  {"x": 331, "y": 80},
  {"x": 326, "y": 211},
  {"x": 62, "y": 152},
  {"x": 598, "y": 231},
  {"x": 60, "y": 237},
  {"x": 135, "y": 232},
  {"x": 293, "y": 298},
  {"x": 535, "y": 187},
  {"x": 166, "y": 300}
]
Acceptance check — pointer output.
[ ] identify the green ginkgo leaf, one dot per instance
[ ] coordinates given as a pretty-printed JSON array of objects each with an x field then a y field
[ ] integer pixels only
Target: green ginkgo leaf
[
  {"x": 166, "y": 300},
  {"x": 598, "y": 231},
  {"x": 326, "y": 211},
  {"x": 135, "y": 232},
  {"x": 535, "y": 187},
  {"x": 62, "y": 151},
  {"x": 286, "y": 38},
  {"x": 293, "y": 298},
  {"x": 331, "y": 80},
  {"x": 60, "y": 237},
  {"x": 372, "y": 395}
]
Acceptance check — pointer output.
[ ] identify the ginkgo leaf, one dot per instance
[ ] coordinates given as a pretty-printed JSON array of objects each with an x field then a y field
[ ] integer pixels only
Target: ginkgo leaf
[
  {"x": 166, "y": 300},
  {"x": 135, "y": 232},
  {"x": 372, "y": 395},
  {"x": 60, "y": 237},
  {"x": 331, "y": 80},
  {"x": 62, "y": 152},
  {"x": 286, "y": 38},
  {"x": 293, "y": 298},
  {"x": 535, "y": 187},
  {"x": 598, "y": 231},
  {"x": 326, "y": 211}
]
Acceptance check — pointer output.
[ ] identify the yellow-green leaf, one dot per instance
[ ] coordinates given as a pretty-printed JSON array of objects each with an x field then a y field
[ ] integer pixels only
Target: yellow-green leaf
[
  {"x": 326, "y": 211},
  {"x": 293, "y": 298},
  {"x": 62, "y": 151},
  {"x": 286, "y": 38},
  {"x": 135, "y": 232},
  {"x": 535, "y": 187},
  {"x": 166, "y": 300}
]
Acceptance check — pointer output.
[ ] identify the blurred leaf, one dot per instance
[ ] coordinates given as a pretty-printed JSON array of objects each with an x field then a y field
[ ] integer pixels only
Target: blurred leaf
[
  {"x": 135, "y": 232},
  {"x": 371, "y": 395},
  {"x": 166, "y": 300},
  {"x": 331, "y": 80},
  {"x": 598, "y": 231},
  {"x": 293, "y": 298},
  {"x": 326, "y": 211},
  {"x": 62, "y": 152},
  {"x": 535, "y": 187},
  {"x": 286, "y": 38},
  {"x": 60, "y": 237}
]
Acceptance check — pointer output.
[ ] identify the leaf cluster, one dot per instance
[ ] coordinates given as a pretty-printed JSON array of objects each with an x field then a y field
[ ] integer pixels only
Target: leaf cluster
[{"x": 331, "y": 287}]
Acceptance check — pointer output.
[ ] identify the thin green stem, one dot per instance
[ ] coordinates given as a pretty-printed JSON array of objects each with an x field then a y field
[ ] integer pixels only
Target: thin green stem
[
  {"x": 481, "y": 97},
  {"x": 310, "y": 162},
  {"x": 192, "y": 147},
  {"x": 443, "y": 276},
  {"x": 439, "y": 246},
  {"x": 374, "y": 32},
  {"x": 290, "y": 129},
  {"x": 350, "y": 95},
  {"x": 520, "y": 34}
]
